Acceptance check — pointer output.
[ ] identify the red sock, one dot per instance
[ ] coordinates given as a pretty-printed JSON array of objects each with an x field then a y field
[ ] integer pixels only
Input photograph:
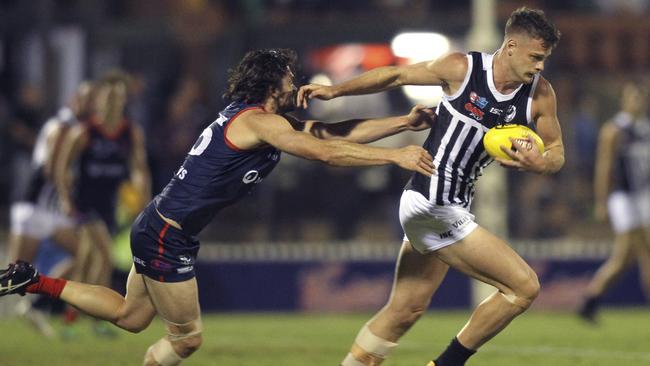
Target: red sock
[
  {"x": 47, "y": 286},
  {"x": 70, "y": 315}
]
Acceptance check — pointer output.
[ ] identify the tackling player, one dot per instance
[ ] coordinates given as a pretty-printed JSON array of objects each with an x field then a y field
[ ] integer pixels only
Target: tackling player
[{"x": 232, "y": 155}]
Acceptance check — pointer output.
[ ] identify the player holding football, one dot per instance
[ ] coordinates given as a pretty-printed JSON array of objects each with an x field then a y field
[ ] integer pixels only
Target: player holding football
[
  {"x": 481, "y": 90},
  {"x": 622, "y": 188},
  {"x": 232, "y": 155}
]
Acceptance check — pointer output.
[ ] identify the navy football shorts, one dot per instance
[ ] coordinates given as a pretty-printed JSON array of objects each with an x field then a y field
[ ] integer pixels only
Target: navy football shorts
[{"x": 161, "y": 251}]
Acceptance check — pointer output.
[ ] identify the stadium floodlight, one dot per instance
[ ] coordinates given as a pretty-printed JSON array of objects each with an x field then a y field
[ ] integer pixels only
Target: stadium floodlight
[
  {"x": 420, "y": 46},
  {"x": 417, "y": 47}
]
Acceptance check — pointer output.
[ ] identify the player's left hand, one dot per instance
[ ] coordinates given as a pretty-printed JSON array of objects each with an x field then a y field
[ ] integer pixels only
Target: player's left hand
[
  {"x": 530, "y": 160},
  {"x": 420, "y": 118}
]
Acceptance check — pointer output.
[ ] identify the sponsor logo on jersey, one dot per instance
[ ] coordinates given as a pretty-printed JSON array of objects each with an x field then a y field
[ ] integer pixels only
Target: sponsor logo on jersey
[
  {"x": 461, "y": 222},
  {"x": 445, "y": 235},
  {"x": 185, "y": 269},
  {"x": 496, "y": 111},
  {"x": 274, "y": 156},
  {"x": 161, "y": 265},
  {"x": 478, "y": 100},
  {"x": 251, "y": 176},
  {"x": 185, "y": 259},
  {"x": 139, "y": 261},
  {"x": 510, "y": 114},
  {"x": 182, "y": 172},
  {"x": 475, "y": 113}
]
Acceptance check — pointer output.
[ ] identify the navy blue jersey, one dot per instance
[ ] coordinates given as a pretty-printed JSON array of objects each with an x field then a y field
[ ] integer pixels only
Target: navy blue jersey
[
  {"x": 456, "y": 139},
  {"x": 103, "y": 164},
  {"x": 632, "y": 161},
  {"x": 215, "y": 174}
]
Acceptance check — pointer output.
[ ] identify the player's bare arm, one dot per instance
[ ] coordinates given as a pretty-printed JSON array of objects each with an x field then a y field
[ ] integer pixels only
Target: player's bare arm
[
  {"x": 54, "y": 141},
  {"x": 544, "y": 110},
  {"x": 605, "y": 155},
  {"x": 260, "y": 128},
  {"x": 364, "y": 131},
  {"x": 447, "y": 71},
  {"x": 140, "y": 175},
  {"x": 71, "y": 148}
]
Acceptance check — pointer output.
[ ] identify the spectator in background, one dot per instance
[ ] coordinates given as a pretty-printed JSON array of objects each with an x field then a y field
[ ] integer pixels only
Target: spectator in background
[{"x": 622, "y": 190}]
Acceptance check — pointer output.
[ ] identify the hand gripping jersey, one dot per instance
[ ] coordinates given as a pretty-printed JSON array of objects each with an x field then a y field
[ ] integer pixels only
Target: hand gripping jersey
[
  {"x": 632, "y": 162},
  {"x": 455, "y": 140},
  {"x": 215, "y": 174}
]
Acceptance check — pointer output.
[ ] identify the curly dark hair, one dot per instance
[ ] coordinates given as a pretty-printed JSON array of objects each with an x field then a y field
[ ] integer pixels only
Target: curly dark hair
[
  {"x": 534, "y": 23},
  {"x": 258, "y": 73}
]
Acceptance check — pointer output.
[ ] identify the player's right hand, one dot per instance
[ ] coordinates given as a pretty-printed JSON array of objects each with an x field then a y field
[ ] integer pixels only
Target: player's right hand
[
  {"x": 416, "y": 159},
  {"x": 311, "y": 91}
]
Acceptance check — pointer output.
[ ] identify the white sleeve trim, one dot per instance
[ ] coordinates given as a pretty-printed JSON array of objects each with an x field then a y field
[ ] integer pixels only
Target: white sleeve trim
[{"x": 529, "y": 105}]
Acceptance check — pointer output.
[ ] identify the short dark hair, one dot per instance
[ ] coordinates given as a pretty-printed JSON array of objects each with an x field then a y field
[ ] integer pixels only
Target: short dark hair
[
  {"x": 258, "y": 73},
  {"x": 534, "y": 23}
]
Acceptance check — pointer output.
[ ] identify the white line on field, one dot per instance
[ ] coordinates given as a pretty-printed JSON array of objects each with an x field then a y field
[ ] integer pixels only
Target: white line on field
[{"x": 570, "y": 351}]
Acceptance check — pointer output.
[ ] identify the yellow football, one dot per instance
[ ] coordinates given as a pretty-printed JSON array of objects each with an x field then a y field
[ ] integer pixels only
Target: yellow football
[{"x": 499, "y": 135}]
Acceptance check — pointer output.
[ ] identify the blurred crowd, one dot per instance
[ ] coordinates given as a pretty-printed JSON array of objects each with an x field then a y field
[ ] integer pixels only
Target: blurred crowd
[{"x": 177, "y": 53}]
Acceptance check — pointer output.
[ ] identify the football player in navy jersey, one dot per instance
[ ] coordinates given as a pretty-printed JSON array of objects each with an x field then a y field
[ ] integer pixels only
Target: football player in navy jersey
[
  {"x": 97, "y": 156},
  {"x": 231, "y": 156},
  {"x": 622, "y": 189},
  {"x": 480, "y": 91}
]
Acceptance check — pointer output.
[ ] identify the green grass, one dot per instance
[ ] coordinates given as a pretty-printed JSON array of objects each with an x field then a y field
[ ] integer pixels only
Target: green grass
[{"x": 559, "y": 339}]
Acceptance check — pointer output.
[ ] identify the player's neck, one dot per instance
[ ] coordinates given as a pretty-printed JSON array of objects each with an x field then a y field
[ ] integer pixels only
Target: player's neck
[
  {"x": 504, "y": 79},
  {"x": 270, "y": 105}
]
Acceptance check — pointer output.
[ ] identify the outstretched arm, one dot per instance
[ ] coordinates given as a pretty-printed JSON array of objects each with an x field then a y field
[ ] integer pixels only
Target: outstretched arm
[
  {"x": 364, "y": 131},
  {"x": 446, "y": 71},
  {"x": 277, "y": 131},
  {"x": 71, "y": 148}
]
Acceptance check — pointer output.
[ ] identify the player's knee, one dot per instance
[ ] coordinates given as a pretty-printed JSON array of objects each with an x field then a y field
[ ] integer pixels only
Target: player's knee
[
  {"x": 406, "y": 314},
  {"x": 186, "y": 346},
  {"x": 526, "y": 291}
]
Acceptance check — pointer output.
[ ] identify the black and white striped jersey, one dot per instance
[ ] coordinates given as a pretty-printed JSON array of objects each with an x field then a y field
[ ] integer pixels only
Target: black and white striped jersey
[
  {"x": 456, "y": 139},
  {"x": 632, "y": 161}
]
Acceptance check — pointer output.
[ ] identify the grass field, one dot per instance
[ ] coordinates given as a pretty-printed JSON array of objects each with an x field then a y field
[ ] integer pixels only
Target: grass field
[{"x": 559, "y": 339}]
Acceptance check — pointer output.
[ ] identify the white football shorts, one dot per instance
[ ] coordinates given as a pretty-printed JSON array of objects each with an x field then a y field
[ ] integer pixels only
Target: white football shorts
[
  {"x": 35, "y": 221},
  {"x": 430, "y": 227},
  {"x": 628, "y": 211}
]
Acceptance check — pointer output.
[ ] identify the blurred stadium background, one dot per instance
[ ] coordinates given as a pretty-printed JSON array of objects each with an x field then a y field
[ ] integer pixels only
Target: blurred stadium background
[{"x": 314, "y": 239}]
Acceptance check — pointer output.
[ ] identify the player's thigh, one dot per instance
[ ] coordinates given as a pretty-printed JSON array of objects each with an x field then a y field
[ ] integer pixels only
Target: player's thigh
[
  {"x": 139, "y": 310},
  {"x": 175, "y": 302},
  {"x": 484, "y": 256},
  {"x": 417, "y": 276},
  {"x": 66, "y": 238}
]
